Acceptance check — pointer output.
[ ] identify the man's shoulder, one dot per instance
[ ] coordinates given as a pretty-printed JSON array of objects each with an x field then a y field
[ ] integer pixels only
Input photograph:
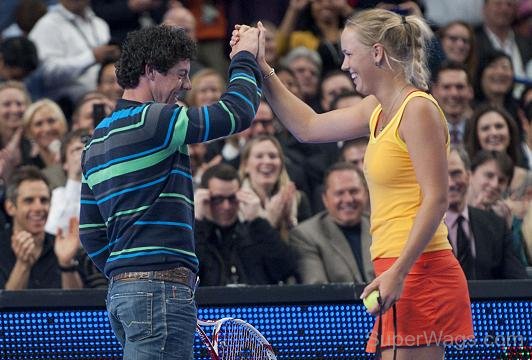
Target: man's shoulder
[
  {"x": 314, "y": 223},
  {"x": 487, "y": 218}
]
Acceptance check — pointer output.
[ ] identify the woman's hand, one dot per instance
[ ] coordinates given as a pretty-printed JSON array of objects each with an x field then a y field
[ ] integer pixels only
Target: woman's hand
[{"x": 390, "y": 286}]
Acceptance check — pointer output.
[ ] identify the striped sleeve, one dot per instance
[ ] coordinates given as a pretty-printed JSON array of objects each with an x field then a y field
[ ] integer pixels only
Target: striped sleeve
[
  {"x": 236, "y": 108},
  {"x": 92, "y": 228}
]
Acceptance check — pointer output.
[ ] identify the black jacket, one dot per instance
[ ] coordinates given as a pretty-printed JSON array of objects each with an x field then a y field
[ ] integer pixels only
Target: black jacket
[
  {"x": 495, "y": 258},
  {"x": 249, "y": 253}
]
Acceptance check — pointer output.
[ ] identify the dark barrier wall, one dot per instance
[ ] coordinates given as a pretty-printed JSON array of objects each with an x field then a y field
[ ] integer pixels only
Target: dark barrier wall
[{"x": 301, "y": 322}]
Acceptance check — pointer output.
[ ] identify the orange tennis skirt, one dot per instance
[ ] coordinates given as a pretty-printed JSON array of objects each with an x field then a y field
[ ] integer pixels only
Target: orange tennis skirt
[{"x": 434, "y": 307}]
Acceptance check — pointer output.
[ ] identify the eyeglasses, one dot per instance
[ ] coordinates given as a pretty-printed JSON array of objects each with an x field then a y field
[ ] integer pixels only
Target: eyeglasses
[{"x": 219, "y": 199}]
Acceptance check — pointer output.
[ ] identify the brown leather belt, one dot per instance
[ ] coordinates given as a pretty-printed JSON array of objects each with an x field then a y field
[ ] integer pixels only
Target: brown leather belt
[{"x": 181, "y": 275}]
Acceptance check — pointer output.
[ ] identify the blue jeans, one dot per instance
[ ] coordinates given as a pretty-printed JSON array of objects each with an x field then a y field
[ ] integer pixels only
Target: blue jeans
[{"x": 152, "y": 319}]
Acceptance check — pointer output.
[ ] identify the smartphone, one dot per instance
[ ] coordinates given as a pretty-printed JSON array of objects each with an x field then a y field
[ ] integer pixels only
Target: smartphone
[{"x": 98, "y": 113}]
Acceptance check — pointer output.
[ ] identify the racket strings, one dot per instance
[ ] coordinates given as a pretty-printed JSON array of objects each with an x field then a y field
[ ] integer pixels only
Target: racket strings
[{"x": 237, "y": 341}]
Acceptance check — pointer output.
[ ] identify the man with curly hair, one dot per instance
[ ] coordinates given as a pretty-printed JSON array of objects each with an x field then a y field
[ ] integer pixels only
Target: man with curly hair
[{"x": 137, "y": 208}]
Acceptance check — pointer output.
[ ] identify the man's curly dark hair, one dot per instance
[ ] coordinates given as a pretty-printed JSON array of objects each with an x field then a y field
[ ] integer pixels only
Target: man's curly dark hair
[{"x": 161, "y": 47}]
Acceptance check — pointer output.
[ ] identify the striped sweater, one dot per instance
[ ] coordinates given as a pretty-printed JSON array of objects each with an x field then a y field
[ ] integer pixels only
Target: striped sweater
[{"x": 137, "y": 206}]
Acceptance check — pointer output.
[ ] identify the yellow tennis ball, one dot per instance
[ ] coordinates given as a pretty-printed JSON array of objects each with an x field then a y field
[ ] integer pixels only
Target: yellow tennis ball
[{"x": 371, "y": 301}]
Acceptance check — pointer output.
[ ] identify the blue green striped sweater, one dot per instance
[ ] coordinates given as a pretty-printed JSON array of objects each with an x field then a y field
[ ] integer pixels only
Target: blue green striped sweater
[{"x": 137, "y": 206}]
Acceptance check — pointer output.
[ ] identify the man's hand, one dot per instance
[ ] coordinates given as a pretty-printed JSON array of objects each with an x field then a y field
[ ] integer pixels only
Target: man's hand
[
  {"x": 248, "y": 40},
  {"x": 67, "y": 245},
  {"x": 202, "y": 204},
  {"x": 24, "y": 247},
  {"x": 249, "y": 204}
]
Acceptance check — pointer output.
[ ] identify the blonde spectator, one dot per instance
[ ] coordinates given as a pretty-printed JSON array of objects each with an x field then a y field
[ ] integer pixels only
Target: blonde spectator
[
  {"x": 263, "y": 170},
  {"x": 45, "y": 125},
  {"x": 14, "y": 99}
]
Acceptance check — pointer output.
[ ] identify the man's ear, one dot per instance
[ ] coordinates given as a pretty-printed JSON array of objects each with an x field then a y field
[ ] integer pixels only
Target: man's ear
[
  {"x": 150, "y": 72},
  {"x": 10, "y": 207}
]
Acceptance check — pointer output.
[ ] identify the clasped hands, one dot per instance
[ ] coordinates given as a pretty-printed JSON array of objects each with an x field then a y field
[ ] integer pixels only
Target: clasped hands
[{"x": 251, "y": 39}]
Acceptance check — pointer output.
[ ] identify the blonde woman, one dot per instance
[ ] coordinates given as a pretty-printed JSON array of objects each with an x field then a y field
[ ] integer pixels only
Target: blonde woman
[
  {"x": 263, "y": 170},
  {"x": 418, "y": 277},
  {"x": 45, "y": 125},
  {"x": 14, "y": 99}
]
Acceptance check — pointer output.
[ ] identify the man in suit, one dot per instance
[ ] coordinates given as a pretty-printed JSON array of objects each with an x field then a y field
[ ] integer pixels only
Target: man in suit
[
  {"x": 333, "y": 246},
  {"x": 480, "y": 239}
]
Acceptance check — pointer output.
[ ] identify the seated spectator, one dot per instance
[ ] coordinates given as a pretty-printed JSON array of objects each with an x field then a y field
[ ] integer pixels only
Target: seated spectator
[
  {"x": 346, "y": 99},
  {"x": 72, "y": 42},
  {"x": 45, "y": 125},
  {"x": 288, "y": 78},
  {"x": 306, "y": 65},
  {"x": 14, "y": 148},
  {"x": 108, "y": 83},
  {"x": 457, "y": 39},
  {"x": 65, "y": 200},
  {"x": 453, "y": 91},
  {"x": 493, "y": 129},
  {"x": 494, "y": 82},
  {"x": 90, "y": 110},
  {"x": 481, "y": 240},
  {"x": 234, "y": 244},
  {"x": 353, "y": 151},
  {"x": 18, "y": 58},
  {"x": 333, "y": 84},
  {"x": 333, "y": 246},
  {"x": 263, "y": 171},
  {"x": 491, "y": 174},
  {"x": 497, "y": 34},
  {"x": 32, "y": 258}
]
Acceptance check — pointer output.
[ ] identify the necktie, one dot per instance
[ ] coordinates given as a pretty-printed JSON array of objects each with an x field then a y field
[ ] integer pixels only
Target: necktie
[{"x": 463, "y": 250}]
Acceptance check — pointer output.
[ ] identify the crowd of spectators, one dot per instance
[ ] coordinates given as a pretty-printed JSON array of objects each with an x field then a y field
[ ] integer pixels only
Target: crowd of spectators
[{"x": 269, "y": 209}]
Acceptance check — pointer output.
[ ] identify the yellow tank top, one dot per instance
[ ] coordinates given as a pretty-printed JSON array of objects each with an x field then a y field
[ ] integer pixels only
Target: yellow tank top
[{"x": 394, "y": 191}]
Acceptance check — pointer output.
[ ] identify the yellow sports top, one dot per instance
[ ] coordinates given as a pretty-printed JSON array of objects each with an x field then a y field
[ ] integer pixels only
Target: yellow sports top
[{"x": 394, "y": 191}]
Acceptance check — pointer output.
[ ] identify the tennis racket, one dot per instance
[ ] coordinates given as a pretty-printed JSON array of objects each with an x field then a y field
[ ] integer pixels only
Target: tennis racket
[{"x": 234, "y": 339}]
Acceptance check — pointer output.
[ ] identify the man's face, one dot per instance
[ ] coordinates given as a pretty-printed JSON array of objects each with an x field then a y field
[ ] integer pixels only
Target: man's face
[
  {"x": 488, "y": 182},
  {"x": 167, "y": 88},
  {"x": 223, "y": 201},
  {"x": 355, "y": 155},
  {"x": 458, "y": 182},
  {"x": 499, "y": 13},
  {"x": 30, "y": 210},
  {"x": 345, "y": 197},
  {"x": 263, "y": 122},
  {"x": 109, "y": 84},
  {"x": 332, "y": 87},
  {"x": 307, "y": 75},
  {"x": 453, "y": 92}
]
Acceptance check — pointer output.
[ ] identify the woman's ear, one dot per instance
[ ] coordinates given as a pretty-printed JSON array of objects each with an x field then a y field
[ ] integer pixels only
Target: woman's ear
[{"x": 378, "y": 54}]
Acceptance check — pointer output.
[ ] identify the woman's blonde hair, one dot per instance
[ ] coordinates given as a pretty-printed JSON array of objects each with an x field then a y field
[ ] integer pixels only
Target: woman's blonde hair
[
  {"x": 11, "y": 84},
  {"x": 246, "y": 152},
  {"x": 405, "y": 40},
  {"x": 200, "y": 75},
  {"x": 30, "y": 112}
]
